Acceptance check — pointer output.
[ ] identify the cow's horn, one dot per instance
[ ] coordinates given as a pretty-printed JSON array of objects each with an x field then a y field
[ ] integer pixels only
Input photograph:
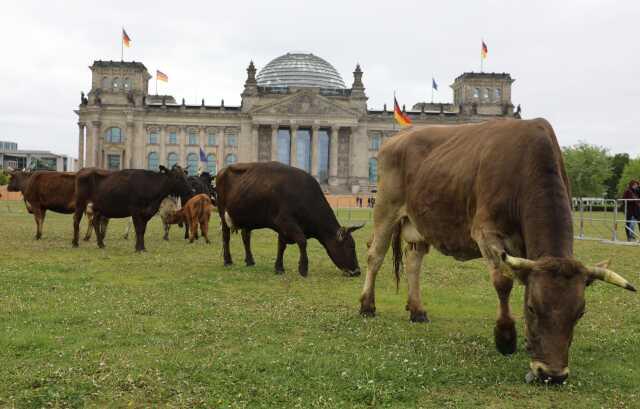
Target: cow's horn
[
  {"x": 517, "y": 262},
  {"x": 611, "y": 277},
  {"x": 355, "y": 227}
]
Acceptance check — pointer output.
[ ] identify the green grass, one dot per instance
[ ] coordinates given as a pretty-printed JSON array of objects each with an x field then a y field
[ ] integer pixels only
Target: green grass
[{"x": 174, "y": 328}]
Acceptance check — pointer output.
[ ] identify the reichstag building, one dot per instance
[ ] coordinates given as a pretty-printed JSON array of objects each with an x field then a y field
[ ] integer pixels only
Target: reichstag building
[{"x": 297, "y": 110}]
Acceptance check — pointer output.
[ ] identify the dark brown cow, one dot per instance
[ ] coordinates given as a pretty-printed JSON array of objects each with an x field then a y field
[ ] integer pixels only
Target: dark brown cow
[
  {"x": 287, "y": 200},
  {"x": 132, "y": 193},
  {"x": 196, "y": 212},
  {"x": 496, "y": 190},
  {"x": 46, "y": 190}
]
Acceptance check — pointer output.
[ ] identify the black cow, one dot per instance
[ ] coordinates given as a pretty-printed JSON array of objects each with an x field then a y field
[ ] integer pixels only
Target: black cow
[
  {"x": 130, "y": 192},
  {"x": 288, "y": 201}
]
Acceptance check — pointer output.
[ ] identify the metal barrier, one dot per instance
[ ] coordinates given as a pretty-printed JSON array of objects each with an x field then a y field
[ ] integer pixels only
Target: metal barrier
[{"x": 605, "y": 220}]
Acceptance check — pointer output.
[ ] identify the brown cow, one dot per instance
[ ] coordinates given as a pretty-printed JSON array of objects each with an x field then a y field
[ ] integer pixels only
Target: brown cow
[
  {"x": 46, "y": 190},
  {"x": 496, "y": 190},
  {"x": 197, "y": 211}
]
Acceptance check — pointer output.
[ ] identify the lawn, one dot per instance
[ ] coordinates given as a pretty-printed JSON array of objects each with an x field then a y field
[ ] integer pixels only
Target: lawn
[{"x": 174, "y": 328}]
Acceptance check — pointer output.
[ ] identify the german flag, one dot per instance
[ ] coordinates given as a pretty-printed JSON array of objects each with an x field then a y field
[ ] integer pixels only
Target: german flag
[
  {"x": 400, "y": 116},
  {"x": 161, "y": 76},
  {"x": 125, "y": 39},
  {"x": 484, "y": 51}
]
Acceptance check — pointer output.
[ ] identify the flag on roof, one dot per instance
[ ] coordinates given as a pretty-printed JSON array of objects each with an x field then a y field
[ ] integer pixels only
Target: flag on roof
[
  {"x": 125, "y": 38},
  {"x": 434, "y": 85},
  {"x": 484, "y": 50},
  {"x": 161, "y": 76},
  {"x": 400, "y": 116}
]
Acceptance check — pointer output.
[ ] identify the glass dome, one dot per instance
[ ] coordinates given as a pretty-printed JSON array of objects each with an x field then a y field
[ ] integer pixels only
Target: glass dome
[{"x": 299, "y": 70}]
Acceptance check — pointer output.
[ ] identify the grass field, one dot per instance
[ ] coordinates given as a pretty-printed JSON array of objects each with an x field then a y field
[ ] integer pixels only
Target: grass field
[{"x": 174, "y": 328}]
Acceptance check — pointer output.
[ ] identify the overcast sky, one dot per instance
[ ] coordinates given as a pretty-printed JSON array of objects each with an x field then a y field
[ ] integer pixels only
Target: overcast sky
[{"x": 576, "y": 63}]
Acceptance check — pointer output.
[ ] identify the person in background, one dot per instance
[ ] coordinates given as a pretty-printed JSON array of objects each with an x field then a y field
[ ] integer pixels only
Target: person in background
[{"x": 632, "y": 209}]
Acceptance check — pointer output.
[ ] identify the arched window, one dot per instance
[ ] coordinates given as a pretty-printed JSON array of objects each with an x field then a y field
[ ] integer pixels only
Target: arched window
[
  {"x": 375, "y": 142},
  {"x": 172, "y": 159},
  {"x": 323, "y": 155},
  {"x": 153, "y": 161},
  {"x": 192, "y": 164},
  {"x": 284, "y": 146},
  {"x": 486, "y": 94},
  {"x": 476, "y": 93},
  {"x": 126, "y": 84},
  {"x": 211, "y": 164},
  {"x": 172, "y": 138},
  {"x": 106, "y": 83},
  {"x": 211, "y": 138},
  {"x": 230, "y": 159},
  {"x": 497, "y": 94},
  {"x": 303, "y": 149},
  {"x": 154, "y": 135},
  {"x": 373, "y": 171},
  {"x": 113, "y": 135},
  {"x": 116, "y": 84},
  {"x": 193, "y": 137}
]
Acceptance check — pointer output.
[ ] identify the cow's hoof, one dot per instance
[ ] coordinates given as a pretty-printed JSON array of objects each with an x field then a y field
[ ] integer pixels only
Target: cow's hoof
[
  {"x": 165, "y": 238},
  {"x": 303, "y": 272},
  {"x": 368, "y": 311},
  {"x": 228, "y": 263},
  {"x": 87, "y": 238},
  {"x": 37, "y": 237},
  {"x": 419, "y": 316},
  {"x": 74, "y": 244},
  {"x": 249, "y": 263},
  {"x": 279, "y": 271},
  {"x": 100, "y": 245},
  {"x": 506, "y": 339},
  {"x": 207, "y": 241}
]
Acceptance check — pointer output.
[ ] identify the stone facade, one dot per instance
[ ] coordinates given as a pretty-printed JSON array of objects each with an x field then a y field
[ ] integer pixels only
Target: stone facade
[{"x": 329, "y": 132}]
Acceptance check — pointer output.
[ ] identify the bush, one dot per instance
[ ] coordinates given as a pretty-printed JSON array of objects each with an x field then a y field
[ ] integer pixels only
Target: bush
[
  {"x": 631, "y": 171},
  {"x": 4, "y": 178}
]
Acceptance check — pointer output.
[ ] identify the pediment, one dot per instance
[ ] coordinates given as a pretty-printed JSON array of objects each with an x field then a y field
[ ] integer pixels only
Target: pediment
[{"x": 304, "y": 103}]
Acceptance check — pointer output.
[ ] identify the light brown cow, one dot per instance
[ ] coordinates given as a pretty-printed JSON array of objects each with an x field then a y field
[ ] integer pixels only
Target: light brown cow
[
  {"x": 496, "y": 190},
  {"x": 197, "y": 211}
]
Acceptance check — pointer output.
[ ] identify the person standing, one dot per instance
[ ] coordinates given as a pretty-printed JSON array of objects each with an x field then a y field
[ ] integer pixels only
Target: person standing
[{"x": 632, "y": 209}]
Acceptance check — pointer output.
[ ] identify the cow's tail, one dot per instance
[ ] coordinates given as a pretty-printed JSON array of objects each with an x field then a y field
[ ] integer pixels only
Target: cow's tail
[{"x": 396, "y": 246}]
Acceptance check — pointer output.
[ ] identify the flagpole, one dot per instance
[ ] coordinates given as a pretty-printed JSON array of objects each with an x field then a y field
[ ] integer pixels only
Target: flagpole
[
  {"x": 122, "y": 45},
  {"x": 156, "y": 83},
  {"x": 432, "y": 80}
]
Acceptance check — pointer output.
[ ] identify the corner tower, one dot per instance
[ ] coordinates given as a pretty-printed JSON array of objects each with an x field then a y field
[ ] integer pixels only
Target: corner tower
[
  {"x": 118, "y": 82},
  {"x": 483, "y": 93}
]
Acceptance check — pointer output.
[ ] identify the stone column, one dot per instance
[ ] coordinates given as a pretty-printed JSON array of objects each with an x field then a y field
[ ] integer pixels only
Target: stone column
[
  {"x": 333, "y": 156},
  {"x": 182, "y": 140},
  {"x": 314, "y": 151},
  {"x": 294, "y": 146},
  {"x": 221, "y": 147},
  {"x": 163, "y": 145},
  {"x": 254, "y": 142},
  {"x": 80, "y": 145},
  {"x": 274, "y": 142},
  {"x": 96, "y": 152},
  {"x": 127, "y": 160}
]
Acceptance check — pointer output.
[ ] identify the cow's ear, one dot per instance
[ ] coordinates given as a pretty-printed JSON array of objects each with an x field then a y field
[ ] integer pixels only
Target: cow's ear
[{"x": 163, "y": 169}]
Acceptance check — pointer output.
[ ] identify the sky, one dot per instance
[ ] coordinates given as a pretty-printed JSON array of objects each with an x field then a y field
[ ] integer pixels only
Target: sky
[{"x": 576, "y": 63}]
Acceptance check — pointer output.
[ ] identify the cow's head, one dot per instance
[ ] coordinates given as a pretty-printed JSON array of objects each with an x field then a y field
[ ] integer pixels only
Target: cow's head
[
  {"x": 178, "y": 184},
  {"x": 18, "y": 179},
  {"x": 342, "y": 250},
  {"x": 553, "y": 304}
]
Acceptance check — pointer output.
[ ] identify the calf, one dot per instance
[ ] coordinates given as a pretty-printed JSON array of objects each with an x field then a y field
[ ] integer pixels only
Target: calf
[
  {"x": 47, "y": 190},
  {"x": 132, "y": 193},
  {"x": 196, "y": 212},
  {"x": 169, "y": 204}
]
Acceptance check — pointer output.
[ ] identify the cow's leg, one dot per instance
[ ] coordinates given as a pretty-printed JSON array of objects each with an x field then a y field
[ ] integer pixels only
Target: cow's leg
[
  {"x": 96, "y": 226},
  {"x": 38, "y": 214},
  {"x": 193, "y": 228},
  {"x": 127, "y": 230},
  {"x": 87, "y": 235},
  {"x": 166, "y": 226},
  {"x": 226, "y": 238},
  {"x": 414, "y": 254},
  {"x": 384, "y": 221},
  {"x": 140, "y": 224},
  {"x": 204, "y": 229},
  {"x": 505, "y": 330},
  {"x": 282, "y": 245},
  {"x": 246, "y": 241},
  {"x": 77, "y": 217}
]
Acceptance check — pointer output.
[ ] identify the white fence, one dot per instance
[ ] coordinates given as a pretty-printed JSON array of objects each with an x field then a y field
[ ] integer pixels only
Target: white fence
[{"x": 605, "y": 220}]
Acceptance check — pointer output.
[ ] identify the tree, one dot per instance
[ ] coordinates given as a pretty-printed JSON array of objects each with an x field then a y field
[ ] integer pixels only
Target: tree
[
  {"x": 588, "y": 167},
  {"x": 631, "y": 172},
  {"x": 618, "y": 162},
  {"x": 4, "y": 178}
]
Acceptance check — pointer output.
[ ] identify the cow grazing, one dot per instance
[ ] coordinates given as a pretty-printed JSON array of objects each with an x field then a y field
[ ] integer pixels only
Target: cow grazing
[
  {"x": 169, "y": 204},
  {"x": 496, "y": 190},
  {"x": 287, "y": 200},
  {"x": 197, "y": 211},
  {"x": 203, "y": 183},
  {"x": 132, "y": 193},
  {"x": 47, "y": 190}
]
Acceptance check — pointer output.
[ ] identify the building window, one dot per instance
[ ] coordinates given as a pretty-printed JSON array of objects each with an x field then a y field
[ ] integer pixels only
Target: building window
[
  {"x": 113, "y": 135},
  {"x": 192, "y": 164},
  {"x": 153, "y": 161},
  {"x": 375, "y": 142},
  {"x": 116, "y": 84},
  {"x": 476, "y": 93},
  {"x": 232, "y": 140},
  {"x": 211, "y": 164},
  {"x": 154, "y": 135},
  {"x": 173, "y": 138},
  {"x": 172, "y": 159},
  {"x": 323, "y": 156},
  {"x": 211, "y": 139},
  {"x": 126, "y": 84},
  {"x": 303, "y": 149},
  {"x": 497, "y": 94},
  {"x": 486, "y": 94},
  {"x": 284, "y": 146},
  {"x": 373, "y": 171},
  {"x": 113, "y": 162},
  {"x": 230, "y": 159},
  {"x": 193, "y": 137},
  {"x": 106, "y": 83}
]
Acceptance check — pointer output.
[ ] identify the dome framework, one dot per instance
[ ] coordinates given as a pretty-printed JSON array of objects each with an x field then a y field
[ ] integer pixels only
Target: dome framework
[{"x": 299, "y": 70}]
